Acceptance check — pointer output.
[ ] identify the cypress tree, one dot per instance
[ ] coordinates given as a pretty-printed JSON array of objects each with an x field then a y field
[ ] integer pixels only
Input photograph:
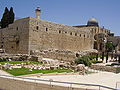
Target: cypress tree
[
  {"x": 5, "y": 18},
  {"x": 0, "y": 23},
  {"x": 11, "y": 16}
]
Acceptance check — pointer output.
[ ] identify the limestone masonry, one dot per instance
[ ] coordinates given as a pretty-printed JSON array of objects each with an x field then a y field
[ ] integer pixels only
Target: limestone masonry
[{"x": 35, "y": 36}]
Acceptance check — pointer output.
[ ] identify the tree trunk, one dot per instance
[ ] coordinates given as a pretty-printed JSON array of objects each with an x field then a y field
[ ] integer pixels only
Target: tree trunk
[
  {"x": 107, "y": 57},
  {"x": 97, "y": 57},
  {"x": 102, "y": 56}
]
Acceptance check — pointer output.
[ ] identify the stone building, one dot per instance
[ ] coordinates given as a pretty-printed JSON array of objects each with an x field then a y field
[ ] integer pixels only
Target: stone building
[{"x": 35, "y": 36}]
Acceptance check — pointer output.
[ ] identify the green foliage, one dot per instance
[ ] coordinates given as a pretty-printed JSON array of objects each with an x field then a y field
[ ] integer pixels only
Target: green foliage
[
  {"x": 25, "y": 71},
  {"x": 3, "y": 60},
  {"x": 83, "y": 60},
  {"x": 92, "y": 57},
  {"x": 108, "y": 64},
  {"x": 109, "y": 46},
  {"x": 0, "y": 23},
  {"x": 113, "y": 64},
  {"x": 95, "y": 61},
  {"x": 18, "y": 62},
  {"x": 11, "y": 16},
  {"x": 7, "y": 18}
]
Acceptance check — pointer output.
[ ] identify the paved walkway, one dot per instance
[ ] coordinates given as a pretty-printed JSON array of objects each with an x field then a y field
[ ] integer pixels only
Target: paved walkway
[
  {"x": 4, "y": 73},
  {"x": 101, "y": 78}
]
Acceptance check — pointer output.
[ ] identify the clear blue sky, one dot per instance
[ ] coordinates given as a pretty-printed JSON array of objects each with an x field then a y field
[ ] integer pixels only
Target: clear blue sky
[{"x": 69, "y": 12}]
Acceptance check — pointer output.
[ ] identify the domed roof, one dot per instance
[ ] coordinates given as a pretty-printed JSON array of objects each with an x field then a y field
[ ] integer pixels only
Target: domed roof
[{"x": 92, "y": 22}]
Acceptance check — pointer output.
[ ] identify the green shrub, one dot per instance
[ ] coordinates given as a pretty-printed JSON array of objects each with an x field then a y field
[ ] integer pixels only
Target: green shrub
[
  {"x": 113, "y": 64},
  {"x": 3, "y": 59},
  {"x": 108, "y": 65},
  {"x": 83, "y": 60},
  {"x": 92, "y": 57},
  {"x": 95, "y": 61}
]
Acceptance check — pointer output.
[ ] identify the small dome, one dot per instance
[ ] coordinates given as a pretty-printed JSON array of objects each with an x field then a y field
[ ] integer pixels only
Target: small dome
[{"x": 92, "y": 22}]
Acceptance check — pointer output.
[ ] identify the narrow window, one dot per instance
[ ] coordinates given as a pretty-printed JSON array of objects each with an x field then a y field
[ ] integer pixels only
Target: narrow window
[
  {"x": 80, "y": 35},
  {"x": 71, "y": 33},
  {"x": 84, "y": 35},
  {"x": 37, "y": 27},
  {"x": 17, "y": 28},
  {"x": 59, "y": 31},
  {"x": 1, "y": 46},
  {"x": 75, "y": 34},
  {"x": 46, "y": 29}
]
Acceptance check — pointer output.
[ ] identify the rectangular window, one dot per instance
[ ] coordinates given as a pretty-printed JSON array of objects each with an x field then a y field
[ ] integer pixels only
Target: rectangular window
[
  {"x": 37, "y": 27},
  {"x": 59, "y": 31},
  {"x": 46, "y": 29},
  {"x": 75, "y": 34},
  {"x": 80, "y": 35}
]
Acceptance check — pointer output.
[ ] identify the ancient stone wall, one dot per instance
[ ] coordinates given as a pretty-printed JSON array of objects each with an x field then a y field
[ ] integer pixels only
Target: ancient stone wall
[
  {"x": 106, "y": 68},
  {"x": 46, "y": 35},
  {"x": 56, "y": 54},
  {"x": 14, "y": 39},
  {"x": 30, "y": 35},
  {"x": 94, "y": 29}
]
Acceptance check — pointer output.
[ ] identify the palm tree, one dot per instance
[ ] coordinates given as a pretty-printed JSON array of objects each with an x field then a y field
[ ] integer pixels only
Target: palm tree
[{"x": 109, "y": 48}]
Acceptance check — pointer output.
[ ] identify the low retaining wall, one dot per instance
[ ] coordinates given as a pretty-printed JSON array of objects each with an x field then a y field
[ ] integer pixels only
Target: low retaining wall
[
  {"x": 49, "y": 74},
  {"x": 106, "y": 68},
  {"x": 13, "y": 84}
]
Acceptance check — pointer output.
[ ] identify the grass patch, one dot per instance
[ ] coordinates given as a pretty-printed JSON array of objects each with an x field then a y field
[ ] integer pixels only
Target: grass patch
[
  {"x": 25, "y": 71},
  {"x": 113, "y": 64},
  {"x": 19, "y": 62}
]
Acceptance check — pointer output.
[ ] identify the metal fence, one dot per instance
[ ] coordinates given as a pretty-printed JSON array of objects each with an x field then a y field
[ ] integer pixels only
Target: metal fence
[
  {"x": 71, "y": 84},
  {"x": 118, "y": 85}
]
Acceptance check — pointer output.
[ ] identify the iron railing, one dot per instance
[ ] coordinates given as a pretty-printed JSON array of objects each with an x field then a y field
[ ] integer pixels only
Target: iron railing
[{"x": 70, "y": 83}]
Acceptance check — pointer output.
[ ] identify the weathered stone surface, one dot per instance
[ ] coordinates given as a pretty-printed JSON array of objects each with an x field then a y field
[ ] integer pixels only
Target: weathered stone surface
[
  {"x": 47, "y": 39},
  {"x": 106, "y": 68}
]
